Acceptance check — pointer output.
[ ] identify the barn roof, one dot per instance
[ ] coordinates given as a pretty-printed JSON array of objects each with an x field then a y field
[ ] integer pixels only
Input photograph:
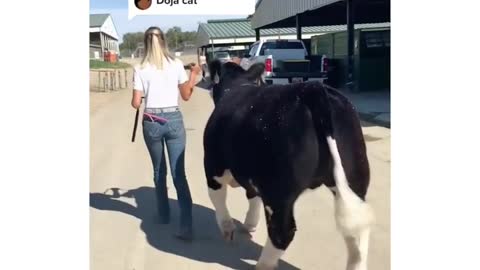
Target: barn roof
[
  {"x": 242, "y": 28},
  {"x": 283, "y": 13},
  {"x": 270, "y": 11},
  {"x": 97, "y": 20}
]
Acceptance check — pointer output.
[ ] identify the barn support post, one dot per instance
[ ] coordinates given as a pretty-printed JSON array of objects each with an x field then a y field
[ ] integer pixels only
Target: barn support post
[
  {"x": 101, "y": 45},
  {"x": 213, "y": 49},
  {"x": 257, "y": 34},
  {"x": 350, "y": 45},
  {"x": 198, "y": 55},
  {"x": 298, "y": 26}
]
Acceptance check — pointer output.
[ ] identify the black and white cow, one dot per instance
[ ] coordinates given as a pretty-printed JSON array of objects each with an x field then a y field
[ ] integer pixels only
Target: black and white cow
[{"x": 276, "y": 141}]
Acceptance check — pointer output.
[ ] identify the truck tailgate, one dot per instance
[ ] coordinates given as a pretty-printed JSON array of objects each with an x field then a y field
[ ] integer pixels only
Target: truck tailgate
[
  {"x": 300, "y": 74},
  {"x": 298, "y": 65}
]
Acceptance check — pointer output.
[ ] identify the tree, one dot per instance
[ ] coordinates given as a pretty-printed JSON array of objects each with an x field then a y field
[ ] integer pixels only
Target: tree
[
  {"x": 130, "y": 42},
  {"x": 175, "y": 38}
]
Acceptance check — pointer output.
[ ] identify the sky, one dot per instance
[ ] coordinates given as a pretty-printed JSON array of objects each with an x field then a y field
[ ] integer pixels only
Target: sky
[{"x": 119, "y": 11}]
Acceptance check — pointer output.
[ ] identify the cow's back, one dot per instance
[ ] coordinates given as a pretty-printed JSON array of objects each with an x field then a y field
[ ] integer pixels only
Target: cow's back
[{"x": 266, "y": 131}]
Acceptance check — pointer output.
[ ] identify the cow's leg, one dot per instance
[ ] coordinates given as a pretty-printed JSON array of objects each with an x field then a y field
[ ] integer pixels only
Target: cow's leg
[
  {"x": 254, "y": 206},
  {"x": 353, "y": 222},
  {"x": 281, "y": 230},
  {"x": 217, "y": 190},
  {"x": 353, "y": 215}
]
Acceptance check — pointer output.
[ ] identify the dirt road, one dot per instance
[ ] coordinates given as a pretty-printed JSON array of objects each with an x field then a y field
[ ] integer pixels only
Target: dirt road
[{"x": 123, "y": 234}]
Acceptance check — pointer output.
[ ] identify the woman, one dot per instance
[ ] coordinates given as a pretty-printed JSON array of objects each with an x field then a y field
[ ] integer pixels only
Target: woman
[{"x": 160, "y": 78}]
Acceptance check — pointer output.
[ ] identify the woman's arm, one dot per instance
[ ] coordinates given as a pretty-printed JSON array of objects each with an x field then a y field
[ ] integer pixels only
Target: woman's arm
[
  {"x": 186, "y": 89},
  {"x": 137, "y": 92},
  {"x": 137, "y": 98}
]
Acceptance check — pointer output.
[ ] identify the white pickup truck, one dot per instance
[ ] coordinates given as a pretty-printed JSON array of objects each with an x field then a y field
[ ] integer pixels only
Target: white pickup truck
[{"x": 286, "y": 62}]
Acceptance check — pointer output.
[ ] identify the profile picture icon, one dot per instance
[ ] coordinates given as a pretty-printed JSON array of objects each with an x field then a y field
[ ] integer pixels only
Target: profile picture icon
[{"x": 143, "y": 4}]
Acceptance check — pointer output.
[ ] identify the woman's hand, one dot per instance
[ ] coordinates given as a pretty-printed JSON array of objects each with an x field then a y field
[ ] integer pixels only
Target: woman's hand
[
  {"x": 186, "y": 89},
  {"x": 194, "y": 68}
]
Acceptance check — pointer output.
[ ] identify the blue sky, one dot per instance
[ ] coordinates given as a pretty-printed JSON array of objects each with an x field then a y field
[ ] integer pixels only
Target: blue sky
[{"x": 119, "y": 11}]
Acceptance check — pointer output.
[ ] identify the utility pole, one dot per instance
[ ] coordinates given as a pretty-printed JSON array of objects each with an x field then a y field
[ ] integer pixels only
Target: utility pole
[
  {"x": 351, "y": 43},
  {"x": 175, "y": 40}
]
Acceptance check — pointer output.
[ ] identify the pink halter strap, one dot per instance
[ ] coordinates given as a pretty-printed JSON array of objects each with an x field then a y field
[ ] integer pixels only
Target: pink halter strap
[{"x": 154, "y": 117}]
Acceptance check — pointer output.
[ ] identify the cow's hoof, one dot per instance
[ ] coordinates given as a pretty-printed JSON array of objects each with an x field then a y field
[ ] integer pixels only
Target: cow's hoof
[
  {"x": 261, "y": 266},
  {"x": 228, "y": 229}
]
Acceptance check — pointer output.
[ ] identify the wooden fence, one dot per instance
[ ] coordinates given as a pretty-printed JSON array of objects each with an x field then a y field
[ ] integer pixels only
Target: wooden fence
[{"x": 106, "y": 80}]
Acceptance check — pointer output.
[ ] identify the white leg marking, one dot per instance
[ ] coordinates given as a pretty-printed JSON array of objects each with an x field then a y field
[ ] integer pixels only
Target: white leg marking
[
  {"x": 269, "y": 210},
  {"x": 253, "y": 214},
  {"x": 357, "y": 250},
  {"x": 224, "y": 220},
  {"x": 270, "y": 256},
  {"x": 352, "y": 214},
  {"x": 363, "y": 240},
  {"x": 226, "y": 178}
]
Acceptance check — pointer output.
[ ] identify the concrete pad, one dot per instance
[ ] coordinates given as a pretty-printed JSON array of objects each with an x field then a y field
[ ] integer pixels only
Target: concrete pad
[
  {"x": 372, "y": 106},
  {"x": 384, "y": 117}
]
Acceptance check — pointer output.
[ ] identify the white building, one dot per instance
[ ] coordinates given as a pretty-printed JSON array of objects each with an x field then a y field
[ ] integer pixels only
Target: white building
[{"x": 103, "y": 35}]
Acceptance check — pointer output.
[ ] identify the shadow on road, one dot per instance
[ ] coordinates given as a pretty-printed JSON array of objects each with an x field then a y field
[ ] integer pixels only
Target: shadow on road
[{"x": 207, "y": 246}]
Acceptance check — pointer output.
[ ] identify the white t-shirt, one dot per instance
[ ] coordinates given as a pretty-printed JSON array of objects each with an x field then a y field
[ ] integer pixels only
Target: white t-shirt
[{"x": 160, "y": 87}]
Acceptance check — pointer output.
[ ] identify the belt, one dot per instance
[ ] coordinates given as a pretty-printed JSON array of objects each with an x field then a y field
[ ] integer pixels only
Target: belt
[{"x": 162, "y": 110}]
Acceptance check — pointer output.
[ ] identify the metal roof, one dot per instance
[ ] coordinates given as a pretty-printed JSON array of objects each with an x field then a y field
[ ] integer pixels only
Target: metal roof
[
  {"x": 270, "y": 11},
  {"x": 97, "y": 20},
  {"x": 242, "y": 28}
]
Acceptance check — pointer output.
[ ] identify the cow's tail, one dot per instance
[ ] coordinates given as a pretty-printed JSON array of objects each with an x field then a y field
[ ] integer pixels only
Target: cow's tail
[
  {"x": 350, "y": 164},
  {"x": 352, "y": 213}
]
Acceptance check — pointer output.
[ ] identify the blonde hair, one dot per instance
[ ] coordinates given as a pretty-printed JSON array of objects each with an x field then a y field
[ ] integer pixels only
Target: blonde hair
[{"x": 155, "y": 48}]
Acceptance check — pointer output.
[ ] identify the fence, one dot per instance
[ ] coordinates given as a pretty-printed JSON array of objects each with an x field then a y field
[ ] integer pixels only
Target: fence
[{"x": 105, "y": 80}]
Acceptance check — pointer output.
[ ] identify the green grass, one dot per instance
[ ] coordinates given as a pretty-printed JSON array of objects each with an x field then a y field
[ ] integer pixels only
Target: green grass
[{"x": 98, "y": 64}]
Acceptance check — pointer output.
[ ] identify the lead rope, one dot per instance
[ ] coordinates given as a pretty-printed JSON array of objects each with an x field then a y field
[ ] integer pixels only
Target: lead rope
[{"x": 135, "y": 124}]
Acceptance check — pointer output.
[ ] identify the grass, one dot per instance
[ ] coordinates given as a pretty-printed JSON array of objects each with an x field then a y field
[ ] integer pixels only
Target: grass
[{"x": 98, "y": 64}]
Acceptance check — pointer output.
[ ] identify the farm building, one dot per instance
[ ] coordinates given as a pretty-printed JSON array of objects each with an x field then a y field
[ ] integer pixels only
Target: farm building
[
  {"x": 103, "y": 35},
  {"x": 361, "y": 57}
]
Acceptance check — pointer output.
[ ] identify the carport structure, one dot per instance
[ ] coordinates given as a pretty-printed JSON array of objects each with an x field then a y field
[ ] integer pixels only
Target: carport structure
[
  {"x": 305, "y": 13},
  {"x": 238, "y": 34}
]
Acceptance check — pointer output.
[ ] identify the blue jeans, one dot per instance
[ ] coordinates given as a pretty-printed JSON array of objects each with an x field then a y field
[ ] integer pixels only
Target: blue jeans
[{"x": 172, "y": 134}]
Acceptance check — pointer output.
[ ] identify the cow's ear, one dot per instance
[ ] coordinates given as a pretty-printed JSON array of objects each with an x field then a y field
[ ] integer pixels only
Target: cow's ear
[
  {"x": 214, "y": 68},
  {"x": 255, "y": 72}
]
